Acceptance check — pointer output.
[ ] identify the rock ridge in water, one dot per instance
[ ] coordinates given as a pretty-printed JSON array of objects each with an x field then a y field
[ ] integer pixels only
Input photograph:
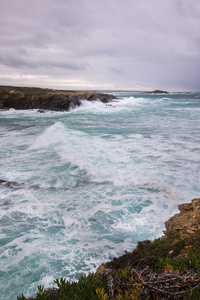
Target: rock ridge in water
[
  {"x": 10, "y": 184},
  {"x": 46, "y": 99}
]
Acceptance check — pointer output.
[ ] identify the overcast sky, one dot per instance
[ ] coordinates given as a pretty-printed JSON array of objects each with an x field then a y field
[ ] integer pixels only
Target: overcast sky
[{"x": 101, "y": 44}]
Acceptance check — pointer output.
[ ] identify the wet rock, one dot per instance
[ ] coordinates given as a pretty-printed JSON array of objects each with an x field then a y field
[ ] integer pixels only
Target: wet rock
[{"x": 10, "y": 184}]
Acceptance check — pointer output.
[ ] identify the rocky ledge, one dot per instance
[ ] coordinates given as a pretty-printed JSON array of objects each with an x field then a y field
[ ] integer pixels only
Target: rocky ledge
[{"x": 46, "y": 99}]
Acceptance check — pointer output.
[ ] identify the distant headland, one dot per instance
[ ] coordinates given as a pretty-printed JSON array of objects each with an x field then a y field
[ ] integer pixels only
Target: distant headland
[
  {"x": 46, "y": 99},
  {"x": 157, "y": 92}
]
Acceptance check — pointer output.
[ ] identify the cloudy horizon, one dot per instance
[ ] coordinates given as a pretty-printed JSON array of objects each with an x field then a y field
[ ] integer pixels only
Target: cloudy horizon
[{"x": 104, "y": 45}]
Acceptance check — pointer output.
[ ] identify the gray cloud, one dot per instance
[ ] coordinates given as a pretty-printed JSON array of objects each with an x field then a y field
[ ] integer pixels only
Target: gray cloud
[{"x": 101, "y": 44}]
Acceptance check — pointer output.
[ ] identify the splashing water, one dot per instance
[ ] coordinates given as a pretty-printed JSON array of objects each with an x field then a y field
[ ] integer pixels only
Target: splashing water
[{"x": 91, "y": 183}]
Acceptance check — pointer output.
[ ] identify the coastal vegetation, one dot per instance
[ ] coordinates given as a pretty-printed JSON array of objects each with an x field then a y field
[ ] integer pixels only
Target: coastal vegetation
[{"x": 167, "y": 268}]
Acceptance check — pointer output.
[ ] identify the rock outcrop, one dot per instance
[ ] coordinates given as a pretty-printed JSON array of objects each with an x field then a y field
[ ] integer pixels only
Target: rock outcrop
[
  {"x": 46, "y": 99},
  {"x": 187, "y": 222},
  {"x": 157, "y": 92},
  {"x": 10, "y": 184}
]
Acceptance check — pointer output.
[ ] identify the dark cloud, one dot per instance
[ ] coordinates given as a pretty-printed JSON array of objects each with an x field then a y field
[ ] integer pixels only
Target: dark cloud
[{"x": 101, "y": 44}]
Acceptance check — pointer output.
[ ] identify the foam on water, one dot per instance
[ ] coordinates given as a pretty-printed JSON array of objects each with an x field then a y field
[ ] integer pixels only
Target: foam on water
[
  {"x": 122, "y": 161},
  {"x": 94, "y": 180}
]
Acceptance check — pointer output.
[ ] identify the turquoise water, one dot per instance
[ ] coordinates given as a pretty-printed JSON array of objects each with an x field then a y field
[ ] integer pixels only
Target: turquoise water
[{"x": 92, "y": 182}]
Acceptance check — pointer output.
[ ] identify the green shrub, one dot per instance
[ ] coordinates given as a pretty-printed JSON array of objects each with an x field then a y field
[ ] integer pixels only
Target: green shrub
[{"x": 193, "y": 295}]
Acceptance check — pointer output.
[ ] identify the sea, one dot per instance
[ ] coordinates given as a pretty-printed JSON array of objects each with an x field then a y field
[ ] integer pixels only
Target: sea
[{"x": 79, "y": 188}]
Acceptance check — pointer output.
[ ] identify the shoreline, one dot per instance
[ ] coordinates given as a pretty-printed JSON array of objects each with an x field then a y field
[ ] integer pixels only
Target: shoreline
[
  {"x": 46, "y": 99},
  {"x": 167, "y": 268}
]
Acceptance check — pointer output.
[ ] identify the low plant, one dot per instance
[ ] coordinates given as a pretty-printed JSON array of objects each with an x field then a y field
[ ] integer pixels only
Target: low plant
[
  {"x": 193, "y": 294},
  {"x": 166, "y": 267},
  {"x": 84, "y": 289}
]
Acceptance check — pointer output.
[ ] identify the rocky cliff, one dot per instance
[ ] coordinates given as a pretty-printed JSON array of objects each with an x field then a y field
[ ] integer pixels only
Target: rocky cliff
[
  {"x": 46, "y": 99},
  {"x": 186, "y": 223}
]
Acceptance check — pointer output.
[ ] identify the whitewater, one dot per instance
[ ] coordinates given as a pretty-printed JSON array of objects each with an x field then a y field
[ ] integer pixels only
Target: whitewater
[{"x": 86, "y": 185}]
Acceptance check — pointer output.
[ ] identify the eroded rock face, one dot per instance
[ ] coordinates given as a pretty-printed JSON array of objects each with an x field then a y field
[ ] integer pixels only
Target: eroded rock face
[{"x": 187, "y": 222}]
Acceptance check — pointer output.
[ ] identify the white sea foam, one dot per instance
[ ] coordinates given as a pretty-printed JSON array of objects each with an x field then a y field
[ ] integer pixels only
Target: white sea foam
[
  {"x": 122, "y": 161},
  {"x": 115, "y": 106},
  {"x": 95, "y": 181}
]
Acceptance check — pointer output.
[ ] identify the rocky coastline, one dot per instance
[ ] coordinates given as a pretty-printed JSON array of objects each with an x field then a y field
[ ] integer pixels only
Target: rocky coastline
[
  {"x": 167, "y": 268},
  {"x": 46, "y": 99},
  {"x": 183, "y": 226}
]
